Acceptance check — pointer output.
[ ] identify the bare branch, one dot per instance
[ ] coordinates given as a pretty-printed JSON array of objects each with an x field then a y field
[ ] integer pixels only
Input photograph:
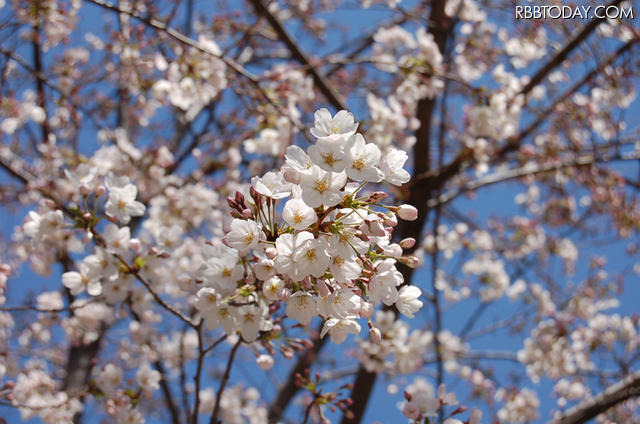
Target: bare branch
[
  {"x": 223, "y": 382},
  {"x": 297, "y": 53}
]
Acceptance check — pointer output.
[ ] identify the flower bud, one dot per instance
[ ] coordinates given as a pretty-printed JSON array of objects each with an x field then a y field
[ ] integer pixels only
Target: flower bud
[
  {"x": 408, "y": 243},
  {"x": 239, "y": 198},
  {"x": 271, "y": 252},
  {"x": 292, "y": 176},
  {"x": 265, "y": 362},
  {"x": 101, "y": 190},
  {"x": 288, "y": 353},
  {"x": 284, "y": 294},
  {"x": 232, "y": 203},
  {"x": 375, "y": 335},
  {"x": 247, "y": 213},
  {"x": 407, "y": 212},
  {"x": 411, "y": 411},
  {"x": 410, "y": 261},
  {"x": 390, "y": 219},
  {"x": 134, "y": 244},
  {"x": 377, "y": 196}
]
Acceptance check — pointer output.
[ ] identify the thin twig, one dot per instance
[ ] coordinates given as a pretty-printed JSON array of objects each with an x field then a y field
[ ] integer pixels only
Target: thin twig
[{"x": 223, "y": 382}]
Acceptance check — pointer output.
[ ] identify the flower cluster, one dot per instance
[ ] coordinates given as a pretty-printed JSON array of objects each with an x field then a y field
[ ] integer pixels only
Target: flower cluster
[
  {"x": 423, "y": 402},
  {"x": 330, "y": 256}
]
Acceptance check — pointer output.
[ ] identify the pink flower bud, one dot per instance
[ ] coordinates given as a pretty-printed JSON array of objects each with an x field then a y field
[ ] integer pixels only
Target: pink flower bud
[
  {"x": 292, "y": 176},
  {"x": 366, "y": 309},
  {"x": 377, "y": 196},
  {"x": 247, "y": 213},
  {"x": 411, "y": 411},
  {"x": 407, "y": 212},
  {"x": 375, "y": 335},
  {"x": 408, "y": 243},
  {"x": 135, "y": 245},
  {"x": 101, "y": 190},
  {"x": 239, "y": 198},
  {"x": 250, "y": 279},
  {"x": 284, "y": 294},
  {"x": 232, "y": 203},
  {"x": 271, "y": 252},
  {"x": 410, "y": 261}
]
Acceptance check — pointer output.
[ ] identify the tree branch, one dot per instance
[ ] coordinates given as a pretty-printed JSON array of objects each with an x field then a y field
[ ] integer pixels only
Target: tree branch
[
  {"x": 223, "y": 382},
  {"x": 319, "y": 80},
  {"x": 619, "y": 392}
]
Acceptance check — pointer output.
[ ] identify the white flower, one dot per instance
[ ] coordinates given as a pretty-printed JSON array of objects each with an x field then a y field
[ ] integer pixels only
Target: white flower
[
  {"x": 87, "y": 277},
  {"x": 297, "y": 159},
  {"x": 223, "y": 273},
  {"x": 206, "y": 300},
  {"x": 244, "y": 235},
  {"x": 302, "y": 306},
  {"x": 109, "y": 377},
  {"x": 298, "y": 214},
  {"x": 249, "y": 317},
  {"x": 117, "y": 239},
  {"x": 391, "y": 165},
  {"x": 328, "y": 154},
  {"x": 169, "y": 238},
  {"x": 382, "y": 287},
  {"x": 148, "y": 378},
  {"x": 122, "y": 203},
  {"x": 312, "y": 258},
  {"x": 362, "y": 160},
  {"x": 322, "y": 188},
  {"x": 339, "y": 328},
  {"x": 341, "y": 303},
  {"x": 287, "y": 245},
  {"x": 408, "y": 303},
  {"x": 117, "y": 289},
  {"x": 43, "y": 225},
  {"x": 271, "y": 185},
  {"x": 344, "y": 268},
  {"x": 342, "y": 124},
  {"x": 271, "y": 288},
  {"x": 265, "y": 269}
]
